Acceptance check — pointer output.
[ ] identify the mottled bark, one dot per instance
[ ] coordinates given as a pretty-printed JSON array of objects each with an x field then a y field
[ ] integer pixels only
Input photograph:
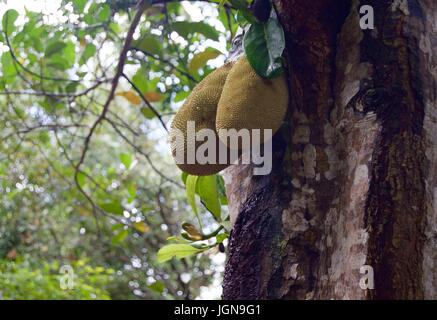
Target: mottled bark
[{"x": 354, "y": 178}]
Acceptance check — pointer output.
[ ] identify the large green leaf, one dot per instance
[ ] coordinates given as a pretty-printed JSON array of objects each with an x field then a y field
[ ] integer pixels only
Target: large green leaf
[
  {"x": 263, "y": 44},
  {"x": 185, "y": 28},
  {"x": 8, "y": 21},
  {"x": 176, "y": 250},
  {"x": 209, "y": 195}
]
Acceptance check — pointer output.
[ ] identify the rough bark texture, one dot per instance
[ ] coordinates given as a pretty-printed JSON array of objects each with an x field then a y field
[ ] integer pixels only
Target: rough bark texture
[{"x": 354, "y": 178}]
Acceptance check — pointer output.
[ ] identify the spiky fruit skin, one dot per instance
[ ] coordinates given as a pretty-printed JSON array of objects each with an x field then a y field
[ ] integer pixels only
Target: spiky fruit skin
[
  {"x": 249, "y": 101},
  {"x": 201, "y": 107}
]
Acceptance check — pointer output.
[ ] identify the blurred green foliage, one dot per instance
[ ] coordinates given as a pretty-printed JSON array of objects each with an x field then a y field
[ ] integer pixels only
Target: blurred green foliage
[
  {"x": 23, "y": 281},
  {"x": 108, "y": 217}
]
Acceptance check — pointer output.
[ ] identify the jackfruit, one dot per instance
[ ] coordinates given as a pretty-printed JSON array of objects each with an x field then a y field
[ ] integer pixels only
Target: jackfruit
[
  {"x": 201, "y": 108},
  {"x": 249, "y": 101}
]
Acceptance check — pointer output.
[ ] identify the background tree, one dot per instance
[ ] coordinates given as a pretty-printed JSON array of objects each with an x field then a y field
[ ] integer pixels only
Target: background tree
[{"x": 86, "y": 179}]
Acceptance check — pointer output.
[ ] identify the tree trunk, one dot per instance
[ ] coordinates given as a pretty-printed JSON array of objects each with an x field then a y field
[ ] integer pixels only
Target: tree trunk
[{"x": 354, "y": 179}]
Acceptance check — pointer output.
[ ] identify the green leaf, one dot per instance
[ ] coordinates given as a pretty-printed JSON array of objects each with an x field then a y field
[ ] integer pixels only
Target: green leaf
[
  {"x": 54, "y": 47},
  {"x": 221, "y": 189},
  {"x": 141, "y": 227},
  {"x": 176, "y": 250},
  {"x": 184, "y": 177},
  {"x": 140, "y": 80},
  {"x": 112, "y": 206},
  {"x": 58, "y": 61},
  {"x": 71, "y": 87},
  {"x": 44, "y": 137},
  {"x": 263, "y": 44},
  {"x": 157, "y": 286},
  {"x": 119, "y": 237},
  {"x": 37, "y": 32},
  {"x": 69, "y": 53},
  {"x": 88, "y": 52},
  {"x": 132, "y": 190},
  {"x": 245, "y": 16},
  {"x": 81, "y": 179},
  {"x": 114, "y": 27},
  {"x": 37, "y": 44},
  {"x": 239, "y": 4},
  {"x": 79, "y": 5},
  {"x": 8, "y": 21},
  {"x": 147, "y": 113},
  {"x": 104, "y": 13},
  {"x": 148, "y": 43},
  {"x": 8, "y": 69},
  {"x": 200, "y": 59},
  {"x": 221, "y": 237},
  {"x": 185, "y": 28},
  {"x": 178, "y": 240},
  {"x": 191, "y": 191},
  {"x": 209, "y": 195},
  {"x": 89, "y": 18},
  {"x": 180, "y": 96},
  {"x": 126, "y": 160},
  {"x": 117, "y": 226},
  {"x": 191, "y": 195}
]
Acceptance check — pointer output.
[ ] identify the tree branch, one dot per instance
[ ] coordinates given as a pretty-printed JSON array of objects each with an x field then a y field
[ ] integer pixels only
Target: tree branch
[{"x": 142, "y": 5}]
